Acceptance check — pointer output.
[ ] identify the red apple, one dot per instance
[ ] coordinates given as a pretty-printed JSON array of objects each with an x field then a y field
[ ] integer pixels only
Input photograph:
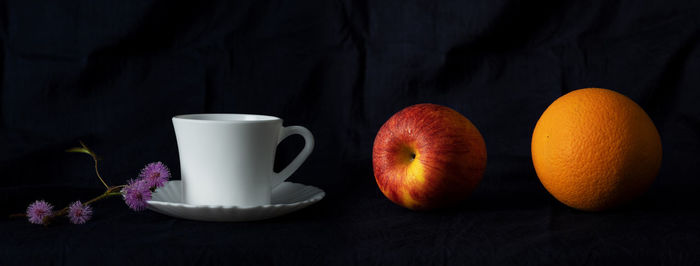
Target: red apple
[{"x": 428, "y": 156}]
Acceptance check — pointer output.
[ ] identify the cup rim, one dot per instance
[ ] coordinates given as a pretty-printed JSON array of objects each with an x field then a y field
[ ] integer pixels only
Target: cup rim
[{"x": 227, "y": 118}]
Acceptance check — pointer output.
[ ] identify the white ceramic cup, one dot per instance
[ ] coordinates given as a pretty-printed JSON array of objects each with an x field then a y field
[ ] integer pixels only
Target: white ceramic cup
[{"x": 227, "y": 159}]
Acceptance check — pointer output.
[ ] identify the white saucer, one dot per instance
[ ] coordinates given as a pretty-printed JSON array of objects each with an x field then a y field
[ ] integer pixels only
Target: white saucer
[{"x": 286, "y": 198}]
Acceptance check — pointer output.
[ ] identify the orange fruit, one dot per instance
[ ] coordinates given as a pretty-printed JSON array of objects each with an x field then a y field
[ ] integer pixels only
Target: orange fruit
[{"x": 595, "y": 149}]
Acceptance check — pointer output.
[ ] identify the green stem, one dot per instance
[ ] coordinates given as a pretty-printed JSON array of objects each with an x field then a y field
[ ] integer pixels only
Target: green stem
[
  {"x": 98, "y": 173},
  {"x": 112, "y": 191},
  {"x": 104, "y": 195},
  {"x": 119, "y": 187},
  {"x": 84, "y": 149}
]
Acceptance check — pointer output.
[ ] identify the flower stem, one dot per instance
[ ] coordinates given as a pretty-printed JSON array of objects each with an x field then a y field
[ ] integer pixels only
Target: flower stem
[
  {"x": 98, "y": 173},
  {"x": 84, "y": 149},
  {"x": 110, "y": 192}
]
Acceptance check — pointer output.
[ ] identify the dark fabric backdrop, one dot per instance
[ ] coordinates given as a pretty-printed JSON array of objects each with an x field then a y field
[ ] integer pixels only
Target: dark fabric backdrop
[{"x": 113, "y": 73}]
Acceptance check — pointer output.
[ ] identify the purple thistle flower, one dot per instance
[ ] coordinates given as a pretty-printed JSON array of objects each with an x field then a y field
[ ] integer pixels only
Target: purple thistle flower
[
  {"x": 38, "y": 211},
  {"x": 136, "y": 193},
  {"x": 79, "y": 213},
  {"x": 155, "y": 174}
]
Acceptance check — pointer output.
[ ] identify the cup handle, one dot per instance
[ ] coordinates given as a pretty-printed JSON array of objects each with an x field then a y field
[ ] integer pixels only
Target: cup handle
[{"x": 278, "y": 178}]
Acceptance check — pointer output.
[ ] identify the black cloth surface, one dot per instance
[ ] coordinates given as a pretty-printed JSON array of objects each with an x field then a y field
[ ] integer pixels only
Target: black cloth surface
[{"x": 113, "y": 73}]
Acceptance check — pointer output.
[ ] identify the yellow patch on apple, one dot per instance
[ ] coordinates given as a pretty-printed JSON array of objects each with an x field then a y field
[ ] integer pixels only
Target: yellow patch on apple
[
  {"x": 407, "y": 200},
  {"x": 415, "y": 171}
]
